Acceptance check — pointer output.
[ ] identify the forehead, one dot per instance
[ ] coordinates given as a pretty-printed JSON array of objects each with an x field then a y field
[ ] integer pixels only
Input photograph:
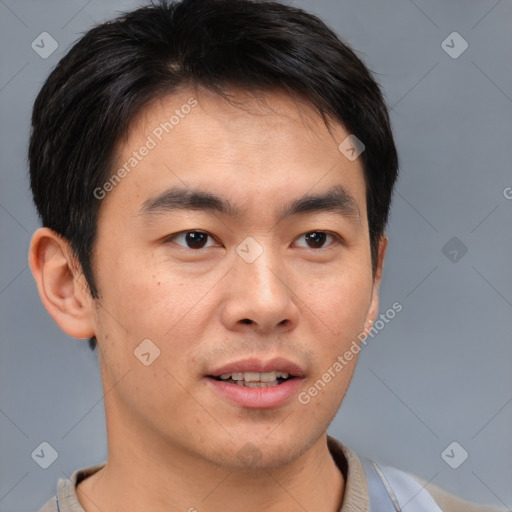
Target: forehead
[{"x": 256, "y": 147}]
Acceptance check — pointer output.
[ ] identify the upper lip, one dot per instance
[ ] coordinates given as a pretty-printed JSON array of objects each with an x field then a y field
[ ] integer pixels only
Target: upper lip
[{"x": 257, "y": 365}]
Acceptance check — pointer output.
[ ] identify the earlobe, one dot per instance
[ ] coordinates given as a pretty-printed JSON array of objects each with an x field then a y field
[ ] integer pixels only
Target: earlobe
[{"x": 61, "y": 287}]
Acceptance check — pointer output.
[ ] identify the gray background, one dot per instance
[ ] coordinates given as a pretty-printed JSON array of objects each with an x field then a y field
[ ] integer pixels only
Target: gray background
[{"x": 439, "y": 372}]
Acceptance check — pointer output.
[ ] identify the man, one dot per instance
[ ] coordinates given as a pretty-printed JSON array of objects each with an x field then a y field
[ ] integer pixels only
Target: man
[{"x": 214, "y": 179}]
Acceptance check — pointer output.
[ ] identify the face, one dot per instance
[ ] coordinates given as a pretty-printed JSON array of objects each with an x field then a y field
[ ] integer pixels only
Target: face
[{"x": 218, "y": 269}]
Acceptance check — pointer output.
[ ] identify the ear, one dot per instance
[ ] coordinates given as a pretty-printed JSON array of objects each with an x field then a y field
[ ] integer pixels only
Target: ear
[
  {"x": 61, "y": 283},
  {"x": 374, "y": 305}
]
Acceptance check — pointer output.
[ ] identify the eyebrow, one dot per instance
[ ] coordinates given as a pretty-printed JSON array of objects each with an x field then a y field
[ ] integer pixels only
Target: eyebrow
[{"x": 336, "y": 200}]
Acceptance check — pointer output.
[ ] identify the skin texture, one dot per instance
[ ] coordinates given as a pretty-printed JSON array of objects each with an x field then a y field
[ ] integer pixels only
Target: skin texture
[{"x": 174, "y": 443}]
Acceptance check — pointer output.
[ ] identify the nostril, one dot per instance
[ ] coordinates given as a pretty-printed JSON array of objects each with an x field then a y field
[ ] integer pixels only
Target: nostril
[{"x": 247, "y": 321}]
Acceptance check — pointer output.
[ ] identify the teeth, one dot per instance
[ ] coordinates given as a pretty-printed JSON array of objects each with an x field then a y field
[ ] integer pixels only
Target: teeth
[
  {"x": 254, "y": 376},
  {"x": 251, "y": 376},
  {"x": 257, "y": 384},
  {"x": 267, "y": 377},
  {"x": 272, "y": 383}
]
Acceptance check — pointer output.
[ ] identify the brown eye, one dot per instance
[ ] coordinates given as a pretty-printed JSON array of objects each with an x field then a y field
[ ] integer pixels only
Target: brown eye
[
  {"x": 191, "y": 239},
  {"x": 316, "y": 239}
]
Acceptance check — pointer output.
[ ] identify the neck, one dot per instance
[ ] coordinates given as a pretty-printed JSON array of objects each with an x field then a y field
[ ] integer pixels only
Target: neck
[{"x": 162, "y": 479}]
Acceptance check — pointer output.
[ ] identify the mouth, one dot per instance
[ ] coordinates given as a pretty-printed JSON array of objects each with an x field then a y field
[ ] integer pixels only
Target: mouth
[
  {"x": 256, "y": 384},
  {"x": 254, "y": 379}
]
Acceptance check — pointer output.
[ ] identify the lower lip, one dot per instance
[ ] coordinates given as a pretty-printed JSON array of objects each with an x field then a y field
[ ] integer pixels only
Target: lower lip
[{"x": 257, "y": 398}]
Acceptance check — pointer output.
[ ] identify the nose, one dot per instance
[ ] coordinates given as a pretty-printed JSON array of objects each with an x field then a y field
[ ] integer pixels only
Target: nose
[{"x": 260, "y": 296}]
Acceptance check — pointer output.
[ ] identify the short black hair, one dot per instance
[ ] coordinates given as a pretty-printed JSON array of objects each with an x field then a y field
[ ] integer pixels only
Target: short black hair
[{"x": 115, "y": 69}]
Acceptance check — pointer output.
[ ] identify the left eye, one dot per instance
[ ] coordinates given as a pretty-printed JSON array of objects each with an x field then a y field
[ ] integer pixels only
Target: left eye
[
  {"x": 316, "y": 239},
  {"x": 191, "y": 239}
]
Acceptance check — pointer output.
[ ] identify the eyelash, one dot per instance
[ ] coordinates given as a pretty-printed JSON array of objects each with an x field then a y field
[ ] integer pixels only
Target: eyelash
[{"x": 334, "y": 236}]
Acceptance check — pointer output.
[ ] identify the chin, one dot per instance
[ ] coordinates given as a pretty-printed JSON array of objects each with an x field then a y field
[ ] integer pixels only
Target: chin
[{"x": 261, "y": 452}]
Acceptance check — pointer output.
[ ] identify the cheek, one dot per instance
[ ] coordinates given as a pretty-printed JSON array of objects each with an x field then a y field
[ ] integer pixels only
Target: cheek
[
  {"x": 162, "y": 305},
  {"x": 342, "y": 303},
  {"x": 139, "y": 292},
  {"x": 341, "y": 306}
]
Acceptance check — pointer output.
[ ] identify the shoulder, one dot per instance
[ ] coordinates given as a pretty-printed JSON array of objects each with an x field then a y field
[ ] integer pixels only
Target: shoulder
[
  {"x": 50, "y": 505},
  {"x": 366, "y": 480},
  {"x": 450, "y": 503},
  {"x": 66, "y": 491}
]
